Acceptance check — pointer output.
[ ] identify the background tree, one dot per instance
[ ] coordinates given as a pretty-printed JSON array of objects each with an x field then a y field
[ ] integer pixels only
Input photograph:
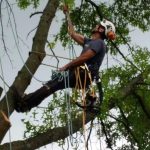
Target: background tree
[{"x": 125, "y": 111}]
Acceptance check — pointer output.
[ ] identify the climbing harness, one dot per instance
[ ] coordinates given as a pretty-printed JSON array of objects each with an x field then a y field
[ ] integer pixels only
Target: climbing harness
[{"x": 92, "y": 101}]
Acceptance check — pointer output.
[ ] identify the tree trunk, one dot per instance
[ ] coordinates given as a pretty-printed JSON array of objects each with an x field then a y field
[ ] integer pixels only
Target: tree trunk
[{"x": 23, "y": 78}]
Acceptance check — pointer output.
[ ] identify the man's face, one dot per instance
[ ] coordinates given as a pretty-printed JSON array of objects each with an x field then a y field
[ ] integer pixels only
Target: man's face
[{"x": 98, "y": 28}]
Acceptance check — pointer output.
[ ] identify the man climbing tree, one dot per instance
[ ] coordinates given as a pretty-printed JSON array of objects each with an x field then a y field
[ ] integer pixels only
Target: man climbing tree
[{"x": 81, "y": 71}]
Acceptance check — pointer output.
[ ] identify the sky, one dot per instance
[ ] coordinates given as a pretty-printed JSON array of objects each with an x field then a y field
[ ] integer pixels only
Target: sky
[{"x": 24, "y": 26}]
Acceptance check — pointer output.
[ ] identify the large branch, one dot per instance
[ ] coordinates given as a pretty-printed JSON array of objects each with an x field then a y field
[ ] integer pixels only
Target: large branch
[
  {"x": 53, "y": 135},
  {"x": 23, "y": 78},
  {"x": 127, "y": 90}
]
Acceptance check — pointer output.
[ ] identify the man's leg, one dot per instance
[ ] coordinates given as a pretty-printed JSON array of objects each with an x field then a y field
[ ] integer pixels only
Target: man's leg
[{"x": 31, "y": 100}]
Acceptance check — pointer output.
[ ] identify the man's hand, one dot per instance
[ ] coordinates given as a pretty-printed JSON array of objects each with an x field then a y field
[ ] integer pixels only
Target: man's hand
[
  {"x": 65, "y": 9},
  {"x": 64, "y": 68},
  {"x": 70, "y": 26},
  {"x": 75, "y": 36},
  {"x": 71, "y": 30}
]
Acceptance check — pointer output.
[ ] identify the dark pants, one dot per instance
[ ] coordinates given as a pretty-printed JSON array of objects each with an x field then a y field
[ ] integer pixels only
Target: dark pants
[{"x": 33, "y": 99}]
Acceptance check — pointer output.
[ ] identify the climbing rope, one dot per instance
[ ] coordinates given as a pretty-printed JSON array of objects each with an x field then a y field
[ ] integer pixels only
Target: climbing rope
[
  {"x": 82, "y": 86},
  {"x": 79, "y": 86},
  {"x": 68, "y": 104},
  {"x": 84, "y": 112},
  {"x": 67, "y": 92}
]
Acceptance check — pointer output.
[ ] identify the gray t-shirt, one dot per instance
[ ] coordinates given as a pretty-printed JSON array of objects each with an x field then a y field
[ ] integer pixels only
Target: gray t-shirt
[{"x": 97, "y": 46}]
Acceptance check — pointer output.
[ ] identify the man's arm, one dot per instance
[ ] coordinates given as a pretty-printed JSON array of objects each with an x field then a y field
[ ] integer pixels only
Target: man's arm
[
  {"x": 75, "y": 36},
  {"x": 79, "y": 60}
]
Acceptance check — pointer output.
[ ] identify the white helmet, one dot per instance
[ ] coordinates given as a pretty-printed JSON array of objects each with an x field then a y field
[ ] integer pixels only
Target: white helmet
[{"x": 109, "y": 28}]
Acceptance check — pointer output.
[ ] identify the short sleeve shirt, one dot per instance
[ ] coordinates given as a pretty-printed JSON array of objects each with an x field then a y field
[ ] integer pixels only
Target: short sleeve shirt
[{"x": 99, "y": 47}]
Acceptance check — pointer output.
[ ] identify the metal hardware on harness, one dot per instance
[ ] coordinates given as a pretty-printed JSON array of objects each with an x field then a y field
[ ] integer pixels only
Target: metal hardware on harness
[{"x": 59, "y": 75}]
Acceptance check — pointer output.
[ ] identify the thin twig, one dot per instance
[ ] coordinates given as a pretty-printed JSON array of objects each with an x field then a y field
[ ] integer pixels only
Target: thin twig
[
  {"x": 2, "y": 31},
  {"x": 39, "y": 12},
  {"x": 91, "y": 126},
  {"x": 97, "y": 9},
  {"x": 124, "y": 56},
  {"x": 108, "y": 141},
  {"x": 53, "y": 53},
  {"x": 31, "y": 31}
]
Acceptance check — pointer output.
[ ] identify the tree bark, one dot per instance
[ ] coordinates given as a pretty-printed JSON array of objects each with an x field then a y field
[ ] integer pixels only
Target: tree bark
[{"x": 23, "y": 78}]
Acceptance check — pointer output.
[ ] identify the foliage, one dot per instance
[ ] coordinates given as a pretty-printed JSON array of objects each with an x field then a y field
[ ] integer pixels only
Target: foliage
[
  {"x": 126, "y": 121},
  {"x": 23, "y": 4},
  {"x": 70, "y": 3},
  {"x": 135, "y": 12},
  {"x": 131, "y": 112}
]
